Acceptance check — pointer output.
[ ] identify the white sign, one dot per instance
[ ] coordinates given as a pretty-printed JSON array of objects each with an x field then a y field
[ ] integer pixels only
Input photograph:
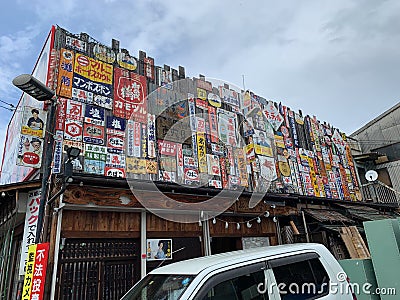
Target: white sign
[{"x": 31, "y": 216}]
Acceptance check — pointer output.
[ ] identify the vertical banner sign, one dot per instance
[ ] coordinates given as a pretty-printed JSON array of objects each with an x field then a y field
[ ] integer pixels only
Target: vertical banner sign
[
  {"x": 231, "y": 161},
  {"x": 201, "y": 152},
  {"x": 242, "y": 166},
  {"x": 65, "y": 73},
  {"x": 293, "y": 129},
  {"x": 129, "y": 139},
  {"x": 130, "y": 91},
  {"x": 31, "y": 217},
  {"x": 192, "y": 112},
  {"x": 224, "y": 176},
  {"x": 51, "y": 74},
  {"x": 179, "y": 160},
  {"x": 137, "y": 139},
  {"x": 28, "y": 278},
  {"x": 35, "y": 275},
  {"x": 61, "y": 113},
  {"x": 149, "y": 68},
  {"x": 194, "y": 147},
  {"x": 143, "y": 140},
  {"x": 58, "y": 149},
  {"x": 212, "y": 115},
  {"x": 151, "y": 136}
]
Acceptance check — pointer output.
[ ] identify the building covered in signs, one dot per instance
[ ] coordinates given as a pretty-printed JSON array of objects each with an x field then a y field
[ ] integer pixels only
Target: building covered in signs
[{"x": 170, "y": 167}]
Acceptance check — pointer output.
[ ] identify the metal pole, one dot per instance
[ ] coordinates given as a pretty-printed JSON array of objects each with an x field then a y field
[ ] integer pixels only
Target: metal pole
[
  {"x": 56, "y": 250},
  {"x": 46, "y": 166}
]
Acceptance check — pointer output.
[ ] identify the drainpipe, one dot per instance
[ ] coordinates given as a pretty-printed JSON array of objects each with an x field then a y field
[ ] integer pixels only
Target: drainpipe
[
  {"x": 305, "y": 226},
  {"x": 143, "y": 249}
]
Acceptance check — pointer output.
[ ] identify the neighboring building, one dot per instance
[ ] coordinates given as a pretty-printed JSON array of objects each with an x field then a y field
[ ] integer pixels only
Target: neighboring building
[
  {"x": 377, "y": 147},
  {"x": 157, "y": 146}
]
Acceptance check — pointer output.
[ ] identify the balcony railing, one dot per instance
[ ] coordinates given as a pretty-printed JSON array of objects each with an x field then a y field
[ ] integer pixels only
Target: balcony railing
[{"x": 380, "y": 193}]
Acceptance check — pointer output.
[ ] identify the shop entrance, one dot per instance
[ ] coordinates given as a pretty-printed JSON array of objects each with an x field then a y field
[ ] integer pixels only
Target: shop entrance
[{"x": 225, "y": 244}]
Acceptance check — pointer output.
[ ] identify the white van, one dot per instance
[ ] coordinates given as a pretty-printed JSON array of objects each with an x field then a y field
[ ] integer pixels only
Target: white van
[{"x": 297, "y": 271}]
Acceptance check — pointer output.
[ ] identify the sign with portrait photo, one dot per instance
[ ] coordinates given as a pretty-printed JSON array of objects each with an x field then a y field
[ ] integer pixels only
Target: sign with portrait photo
[
  {"x": 158, "y": 249},
  {"x": 34, "y": 121}
]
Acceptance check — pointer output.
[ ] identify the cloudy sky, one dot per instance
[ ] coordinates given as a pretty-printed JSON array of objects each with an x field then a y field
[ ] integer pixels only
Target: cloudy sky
[{"x": 338, "y": 60}]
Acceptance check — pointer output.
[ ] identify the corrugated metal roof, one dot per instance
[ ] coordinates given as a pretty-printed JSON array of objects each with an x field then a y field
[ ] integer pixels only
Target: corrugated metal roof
[
  {"x": 366, "y": 213},
  {"x": 327, "y": 216}
]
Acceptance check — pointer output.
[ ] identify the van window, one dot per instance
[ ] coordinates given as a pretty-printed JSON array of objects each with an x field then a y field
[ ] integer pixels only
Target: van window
[
  {"x": 238, "y": 288},
  {"x": 301, "y": 279}
]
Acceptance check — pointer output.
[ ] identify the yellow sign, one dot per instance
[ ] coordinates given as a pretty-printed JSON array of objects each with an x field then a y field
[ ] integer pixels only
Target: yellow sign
[
  {"x": 201, "y": 94},
  {"x": 151, "y": 166},
  {"x": 242, "y": 167},
  {"x": 135, "y": 165},
  {"x": 284, "y": 168},
  {"x": 201, "y": 152},
  {"x": 263, "y": 150},
  {"x": 29, "y": 268},
  {"x": 92, "y": 69}
]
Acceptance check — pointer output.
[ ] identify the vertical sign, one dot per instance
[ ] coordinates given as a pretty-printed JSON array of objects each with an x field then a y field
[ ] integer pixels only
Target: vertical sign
[
  {"x": 151, "y": 136},
  {"x": 65, "y": 73},
  {"x": 212, "y": 115},
  {"x": 192, "y": 112},
  {"x": 149, "y": 68},
  {"x": 35, "y": 275},
  {"x": 201, "y": 153},
  {"x": 31, "y": 216}
]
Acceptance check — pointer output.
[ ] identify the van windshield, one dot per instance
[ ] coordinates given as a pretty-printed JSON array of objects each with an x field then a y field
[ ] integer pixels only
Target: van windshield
[{"x": 159, "y": 287}]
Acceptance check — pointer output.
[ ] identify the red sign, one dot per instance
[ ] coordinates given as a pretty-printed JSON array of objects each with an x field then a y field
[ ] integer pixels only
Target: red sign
[
  {"x": 35, "y": 274},
  {"x": 61, "y": 113},
  {"x": 30, "y": 158},
  {"x": 130, "y": 92},
  {"x": 167, "y": 148}
]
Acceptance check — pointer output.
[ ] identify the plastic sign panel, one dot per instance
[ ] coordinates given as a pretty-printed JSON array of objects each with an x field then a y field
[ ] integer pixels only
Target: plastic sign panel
[
  {"x": 30, "y": 151},
  {"x": 35, "y": 272}
]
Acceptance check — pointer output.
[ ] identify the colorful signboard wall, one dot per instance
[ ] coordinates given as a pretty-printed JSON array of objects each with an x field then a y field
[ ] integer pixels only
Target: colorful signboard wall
[{"x": 132, "y": 117}]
